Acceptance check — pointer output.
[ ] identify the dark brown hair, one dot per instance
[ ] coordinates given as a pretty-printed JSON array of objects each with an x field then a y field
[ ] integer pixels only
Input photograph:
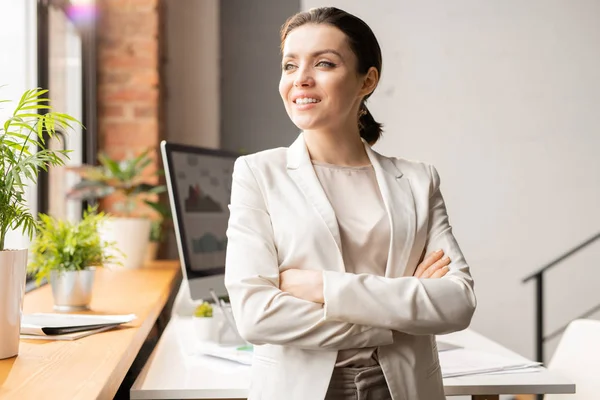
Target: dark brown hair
[{"x": 363, "y": 44}]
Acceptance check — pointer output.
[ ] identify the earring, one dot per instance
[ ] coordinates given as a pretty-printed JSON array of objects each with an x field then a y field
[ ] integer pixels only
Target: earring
[{"x": 362, "y": 110}]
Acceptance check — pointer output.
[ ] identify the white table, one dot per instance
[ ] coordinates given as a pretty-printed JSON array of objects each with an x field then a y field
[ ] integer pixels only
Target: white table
[
  {"x": 174, "y": 372},
  {"x": 541, "y": 382}
]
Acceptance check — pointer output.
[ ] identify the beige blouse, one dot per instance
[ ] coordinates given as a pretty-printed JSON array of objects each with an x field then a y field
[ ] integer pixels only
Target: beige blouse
[{"x": 364, "y": 230}]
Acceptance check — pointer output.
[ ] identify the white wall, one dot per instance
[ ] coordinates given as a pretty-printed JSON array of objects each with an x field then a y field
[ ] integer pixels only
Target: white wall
[
  {"x": 503, "y": 97},
  {"x": 192, "y": 72},
  {"x": 252, "y": 114},
  {"x": 222, "y": 73}
]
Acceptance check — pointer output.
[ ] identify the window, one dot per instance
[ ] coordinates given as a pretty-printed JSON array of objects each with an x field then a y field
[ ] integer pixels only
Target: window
[
  {"x": 18, "y": 72},
  {"x": 65, "y": 84},
  {"x": 43, "y": 47}
]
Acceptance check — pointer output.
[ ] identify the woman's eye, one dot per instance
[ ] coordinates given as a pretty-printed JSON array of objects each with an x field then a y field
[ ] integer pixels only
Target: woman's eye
[
  {"x": 288, "y": 67},
  {"x": 326, "y": 64}
]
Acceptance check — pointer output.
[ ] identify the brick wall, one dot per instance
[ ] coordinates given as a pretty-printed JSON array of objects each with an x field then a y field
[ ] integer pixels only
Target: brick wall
[{"x": 129, "y": 95}]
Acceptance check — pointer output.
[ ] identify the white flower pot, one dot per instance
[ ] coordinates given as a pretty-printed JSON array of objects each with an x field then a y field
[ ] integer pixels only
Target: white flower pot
[
  {"x": 216, "y": 329},
  {"x": 13, "y": 271},
  {"x": 72, "y": 290},
  {"x": 205, "y": 329},
  {"x": 131, "y": 236}
]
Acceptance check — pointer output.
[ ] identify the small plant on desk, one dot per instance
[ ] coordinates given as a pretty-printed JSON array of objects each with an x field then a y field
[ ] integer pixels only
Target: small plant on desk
[
  {"x": 204, "y": 323},
  {"x": 67, "y": 254},
  {"x": 204, "y": 310}
]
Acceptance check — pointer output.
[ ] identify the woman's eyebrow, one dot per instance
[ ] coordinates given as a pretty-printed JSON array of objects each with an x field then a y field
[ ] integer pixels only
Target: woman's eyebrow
[{"x": 316, "y": 53}]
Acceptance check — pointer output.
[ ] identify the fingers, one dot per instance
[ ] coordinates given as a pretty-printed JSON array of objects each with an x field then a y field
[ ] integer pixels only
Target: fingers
[
  {"x": 440, "y": 272},
  {"x": 438, "y": 269},
  {"x": 428, "y": 262}
]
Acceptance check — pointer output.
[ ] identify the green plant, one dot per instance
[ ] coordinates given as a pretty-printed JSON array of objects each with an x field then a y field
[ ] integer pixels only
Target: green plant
[
  {"x": 113, "y": 176},
  {"x": 62, "y": 245},
  {"x": 204, "y": 310},
  {"x": 24, "y": 132}
]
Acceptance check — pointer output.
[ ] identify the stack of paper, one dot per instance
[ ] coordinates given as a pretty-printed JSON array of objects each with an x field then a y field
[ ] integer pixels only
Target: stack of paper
[
  {"x": 462, "y": 362},
  {"x": 49, "y": 326},
  {"x": 445, "y": 346},
  {"x": 454, "y": 360},
  {"x": 240, "y": 354}
]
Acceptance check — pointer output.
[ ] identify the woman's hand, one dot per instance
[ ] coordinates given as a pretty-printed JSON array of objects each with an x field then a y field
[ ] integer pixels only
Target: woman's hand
[
  {"x": 434, "y": 265},
  {"x": 303, "y": 284}
]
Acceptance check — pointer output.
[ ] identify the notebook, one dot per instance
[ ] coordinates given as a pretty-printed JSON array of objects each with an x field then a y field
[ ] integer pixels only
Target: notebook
[{"x": 50, "y": 324}]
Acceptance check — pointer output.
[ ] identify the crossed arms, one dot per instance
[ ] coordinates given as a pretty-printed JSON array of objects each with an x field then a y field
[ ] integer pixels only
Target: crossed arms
[{"x": 359, "y": 310}]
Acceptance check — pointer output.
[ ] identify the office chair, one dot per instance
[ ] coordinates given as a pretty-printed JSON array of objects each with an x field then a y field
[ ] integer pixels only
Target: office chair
[{"x": 577, "y": 357}]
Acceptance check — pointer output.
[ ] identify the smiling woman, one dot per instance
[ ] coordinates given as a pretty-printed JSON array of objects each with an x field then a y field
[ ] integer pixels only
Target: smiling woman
[
  {"x": 323, "y": 64},
  {"x": 341, "y": 259}
]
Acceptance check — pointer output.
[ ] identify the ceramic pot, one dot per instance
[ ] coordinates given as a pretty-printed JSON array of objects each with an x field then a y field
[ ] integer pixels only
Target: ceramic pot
[
  {"x": 72, "y": 290},
  {"x": 205, "y": 329},
  {"x": 131, "y": 235},
  {"x": 13, "y": 272}
]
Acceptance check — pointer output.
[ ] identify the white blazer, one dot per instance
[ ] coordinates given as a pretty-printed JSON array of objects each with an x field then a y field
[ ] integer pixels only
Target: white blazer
[{"x": 280, "y": 219}]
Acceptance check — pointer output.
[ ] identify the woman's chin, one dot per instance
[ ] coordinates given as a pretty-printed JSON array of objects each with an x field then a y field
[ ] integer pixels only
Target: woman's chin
[{"x": 305, "y": 125}]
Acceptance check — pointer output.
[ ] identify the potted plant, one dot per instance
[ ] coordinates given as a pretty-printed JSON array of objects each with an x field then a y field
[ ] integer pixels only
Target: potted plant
[
  {"x": 67, "y": 254},
  {"x": 129, "y": 229},
  {"x": 21, "y": 134},
  {"x": 203, "y": 320},
  {"x": 212, "y": 325}
]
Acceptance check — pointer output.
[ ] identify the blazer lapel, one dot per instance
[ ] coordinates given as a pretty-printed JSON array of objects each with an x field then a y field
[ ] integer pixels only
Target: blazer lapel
[
  {"x": 301, "y": 170},
  {"x": 400, "y": 206}
]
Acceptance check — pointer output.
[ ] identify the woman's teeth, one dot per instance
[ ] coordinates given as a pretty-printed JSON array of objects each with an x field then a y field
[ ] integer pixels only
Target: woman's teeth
[{"x": 306, "y": 100}]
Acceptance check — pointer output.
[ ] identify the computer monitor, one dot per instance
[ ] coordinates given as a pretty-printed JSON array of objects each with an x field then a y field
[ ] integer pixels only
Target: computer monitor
[{"x": 199, "y": 187}]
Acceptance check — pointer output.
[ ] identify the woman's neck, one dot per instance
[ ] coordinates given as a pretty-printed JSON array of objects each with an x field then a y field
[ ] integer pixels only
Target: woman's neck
[{"x": 339, "y": 148}]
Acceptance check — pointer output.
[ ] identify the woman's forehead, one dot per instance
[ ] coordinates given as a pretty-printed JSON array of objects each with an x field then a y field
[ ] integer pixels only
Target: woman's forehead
[{"x": 313, "y": 38}]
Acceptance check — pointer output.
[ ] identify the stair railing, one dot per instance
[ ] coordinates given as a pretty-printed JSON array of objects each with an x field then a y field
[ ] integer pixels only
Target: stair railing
[{"x": 538, "y": 276}]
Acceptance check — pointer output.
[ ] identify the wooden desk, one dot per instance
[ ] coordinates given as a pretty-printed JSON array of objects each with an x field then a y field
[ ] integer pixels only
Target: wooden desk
[
  {"x": 174, "y": 371},
  {"x": 94, "y": 366}
]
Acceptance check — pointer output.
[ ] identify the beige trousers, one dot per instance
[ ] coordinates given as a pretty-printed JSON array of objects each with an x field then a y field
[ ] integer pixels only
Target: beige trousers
[{"x": 367, "y": 383}]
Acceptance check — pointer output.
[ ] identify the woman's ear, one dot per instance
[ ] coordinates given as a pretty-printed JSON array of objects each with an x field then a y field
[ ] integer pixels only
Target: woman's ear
[{"x": 370, "y": 82}]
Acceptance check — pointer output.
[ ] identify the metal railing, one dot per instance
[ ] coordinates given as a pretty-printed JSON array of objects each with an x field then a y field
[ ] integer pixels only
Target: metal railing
[{"x": 539, "y": 296}]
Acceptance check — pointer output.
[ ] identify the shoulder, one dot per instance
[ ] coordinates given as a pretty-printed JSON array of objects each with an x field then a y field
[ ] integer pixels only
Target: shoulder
[
  {"x": 418, "y": 172},
  {"x": 265, "y": 157},
  {"x": 262, "y": 161},
  {"x": 270, "y": 157}
]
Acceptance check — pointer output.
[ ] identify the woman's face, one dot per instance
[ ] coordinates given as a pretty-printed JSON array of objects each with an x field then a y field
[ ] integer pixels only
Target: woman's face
[{"x": 319, "y": 84}]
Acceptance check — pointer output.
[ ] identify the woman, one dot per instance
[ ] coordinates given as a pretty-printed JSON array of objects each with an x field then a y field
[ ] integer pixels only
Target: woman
[{"x": 326, "y": 266}]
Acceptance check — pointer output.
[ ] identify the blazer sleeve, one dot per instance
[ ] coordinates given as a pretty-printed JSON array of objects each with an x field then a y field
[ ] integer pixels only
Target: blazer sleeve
[
  {"x": 263, "y": 313},
  {"x": 408, "y": 304}
]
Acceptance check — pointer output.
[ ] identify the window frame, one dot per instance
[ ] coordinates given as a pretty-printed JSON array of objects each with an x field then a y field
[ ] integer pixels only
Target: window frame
[
  {"x": 88, "y": 96},
  {"x": 89, "y": 93}
]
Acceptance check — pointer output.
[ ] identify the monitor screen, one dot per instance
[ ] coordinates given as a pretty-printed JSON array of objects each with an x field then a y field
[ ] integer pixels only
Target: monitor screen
[{"x": 199, "y": 185}]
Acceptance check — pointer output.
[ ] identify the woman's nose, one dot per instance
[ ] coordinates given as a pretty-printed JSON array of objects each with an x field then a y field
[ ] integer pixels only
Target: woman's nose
[{"x": 303, "y": 78}]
